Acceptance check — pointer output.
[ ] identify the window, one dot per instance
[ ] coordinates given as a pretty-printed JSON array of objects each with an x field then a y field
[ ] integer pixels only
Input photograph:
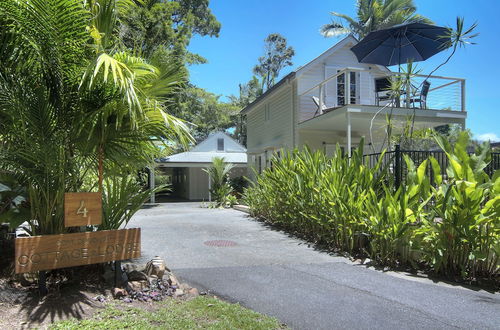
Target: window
[
  {"x": 220, "y": 144},
  {"x": 341, "y": 81}
]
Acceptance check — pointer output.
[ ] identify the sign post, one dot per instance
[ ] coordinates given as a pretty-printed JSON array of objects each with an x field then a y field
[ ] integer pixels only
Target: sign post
[
  {"x": 39, "y": 253},
  {"x": 82, "y": 209},
  {"x": 42, "y": 253}
]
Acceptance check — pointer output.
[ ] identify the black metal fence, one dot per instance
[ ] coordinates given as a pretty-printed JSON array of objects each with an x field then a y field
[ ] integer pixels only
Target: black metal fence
[{"x": 396, "y": 165}]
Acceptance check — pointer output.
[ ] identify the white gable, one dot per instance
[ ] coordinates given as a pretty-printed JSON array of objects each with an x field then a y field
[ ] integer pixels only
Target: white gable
[
  {"x": 216, "y": 145},
  {"x": 212, "y": 143},
  {"x": 328, "y": 64},
  {"x": 337, "y": 57}
]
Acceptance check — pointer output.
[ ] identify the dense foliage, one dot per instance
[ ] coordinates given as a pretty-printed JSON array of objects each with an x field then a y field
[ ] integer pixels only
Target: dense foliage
[
  {"x": 220, "y": 188},
  {"x": 450, "y": 224},
  {"x": 373, "y": 15},
  {"x": 73, "y": 104},
  {"x": 205, "y": 111},
  {"x": 150, "y": 25},
  {"x": 277, "y": 56}
]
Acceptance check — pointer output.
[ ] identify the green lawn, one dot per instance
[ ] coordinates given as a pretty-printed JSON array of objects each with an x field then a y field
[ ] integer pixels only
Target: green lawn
[{"x": 202, "y": 312}]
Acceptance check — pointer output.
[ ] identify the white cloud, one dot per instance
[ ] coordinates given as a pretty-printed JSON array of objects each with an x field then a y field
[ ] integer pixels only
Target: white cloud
[{"x": 492, "y": 137}]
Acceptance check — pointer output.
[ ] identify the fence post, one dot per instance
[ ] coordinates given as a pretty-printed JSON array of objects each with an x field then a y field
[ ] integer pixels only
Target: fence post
[{"x": 397, "y": 166}]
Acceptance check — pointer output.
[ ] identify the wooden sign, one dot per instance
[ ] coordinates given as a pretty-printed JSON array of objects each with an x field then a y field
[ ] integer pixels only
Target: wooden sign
[
  {"x": 82, "y": 209},
  {"x": 68, "y": 250}
]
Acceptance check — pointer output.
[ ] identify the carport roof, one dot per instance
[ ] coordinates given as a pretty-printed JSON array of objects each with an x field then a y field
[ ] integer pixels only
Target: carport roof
[{"x": 205, "y": 157}]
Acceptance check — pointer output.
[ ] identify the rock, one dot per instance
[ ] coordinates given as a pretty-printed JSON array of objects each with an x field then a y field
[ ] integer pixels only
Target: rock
[
  {"x": 137, "y": 286},
  {"x": 193, "y": 292},
  {"x": 184, "y": 287},
  {"x": 118, "y": 293},
  {"x": 178, "y": 293},
  {"x": 27, "y": 279},
  {"x": 130, "y": 266},
  {"x": 156, "y": 267},
  {"x": 172, "y": 280},
  {"x": 136, "y": 275},
  {"x": 12, "y": 296}
]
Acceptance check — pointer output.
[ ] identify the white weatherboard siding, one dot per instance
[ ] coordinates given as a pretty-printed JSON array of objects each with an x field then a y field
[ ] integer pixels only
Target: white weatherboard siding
[
  {"x": 286, "y": 116},
  {"x": 269, "y": 125},
  {"x": 342, "y": 58}
]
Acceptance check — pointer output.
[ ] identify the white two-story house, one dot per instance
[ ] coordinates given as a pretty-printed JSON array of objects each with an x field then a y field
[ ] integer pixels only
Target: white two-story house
[{"x": 334, "y": 99}]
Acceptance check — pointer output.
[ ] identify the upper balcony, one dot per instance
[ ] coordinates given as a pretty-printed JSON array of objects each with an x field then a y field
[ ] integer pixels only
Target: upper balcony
[{"x": 398, "y": 91}]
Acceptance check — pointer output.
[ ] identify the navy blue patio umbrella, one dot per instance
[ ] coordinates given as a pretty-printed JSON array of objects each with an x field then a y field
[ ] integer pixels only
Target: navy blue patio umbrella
[{"x": 402, "y": 43}]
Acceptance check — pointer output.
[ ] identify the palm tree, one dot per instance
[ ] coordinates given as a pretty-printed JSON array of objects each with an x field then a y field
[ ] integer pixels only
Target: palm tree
[
  {"x": 219, "y": 176},
  {"x": 70, "y": 99},
  {"x": 373, "y": 15}
]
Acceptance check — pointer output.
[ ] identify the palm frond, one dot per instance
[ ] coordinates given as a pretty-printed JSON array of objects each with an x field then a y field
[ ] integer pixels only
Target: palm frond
[{"x": 333, "y": 30}]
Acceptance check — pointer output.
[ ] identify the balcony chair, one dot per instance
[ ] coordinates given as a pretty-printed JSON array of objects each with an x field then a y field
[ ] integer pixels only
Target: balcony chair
[
  {"x": 318, "y": 110},
  {"x": 382, "y": 85},
  {"x": 422, "y": 97}
]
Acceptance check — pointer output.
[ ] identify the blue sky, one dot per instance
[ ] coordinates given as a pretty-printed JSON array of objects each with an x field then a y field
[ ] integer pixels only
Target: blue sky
[{"x": 245, "y": 24}]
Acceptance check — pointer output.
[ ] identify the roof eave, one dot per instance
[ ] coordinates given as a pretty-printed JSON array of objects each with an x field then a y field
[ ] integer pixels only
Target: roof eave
[{"x": 289, "y": 77}]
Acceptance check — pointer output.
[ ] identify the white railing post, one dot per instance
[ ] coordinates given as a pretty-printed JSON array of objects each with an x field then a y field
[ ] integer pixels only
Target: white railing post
[
  {"x": 347, "y": 81},
  {"x": 462, "y": 85},
  {"x": 349, "y": 141},
  {"x": 152, "y": 184},
  {"x": 321, "y": 98},
  {"x": 408, "y": 91}
]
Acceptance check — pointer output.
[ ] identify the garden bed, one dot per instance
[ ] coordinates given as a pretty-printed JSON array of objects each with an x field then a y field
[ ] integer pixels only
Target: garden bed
[
  {"x": 81, "y": 298},
  {"x": 448, "y": 226}
]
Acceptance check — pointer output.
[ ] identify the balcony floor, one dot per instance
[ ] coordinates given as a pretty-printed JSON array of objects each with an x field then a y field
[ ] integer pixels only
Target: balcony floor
[{"x": 335, "y": 120}]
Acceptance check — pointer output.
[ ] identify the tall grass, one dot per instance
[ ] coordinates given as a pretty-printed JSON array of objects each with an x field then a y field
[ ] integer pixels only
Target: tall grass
[{"x": 450, "y": 226}]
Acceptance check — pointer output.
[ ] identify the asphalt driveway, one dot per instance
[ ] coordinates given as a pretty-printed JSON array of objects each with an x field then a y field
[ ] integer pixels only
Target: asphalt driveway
[{"x": 242, "y": 260}]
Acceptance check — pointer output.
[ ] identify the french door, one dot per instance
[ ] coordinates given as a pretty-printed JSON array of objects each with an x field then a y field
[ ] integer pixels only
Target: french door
[{"x": 341, "y": 89}]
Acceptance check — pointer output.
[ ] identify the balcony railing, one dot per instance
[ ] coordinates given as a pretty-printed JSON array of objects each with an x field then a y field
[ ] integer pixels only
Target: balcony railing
[{"x": 444, "y": 93}]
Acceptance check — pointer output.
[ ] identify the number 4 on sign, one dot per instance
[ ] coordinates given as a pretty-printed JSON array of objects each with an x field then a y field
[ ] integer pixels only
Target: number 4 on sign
[{"x": 82, "y": 209}]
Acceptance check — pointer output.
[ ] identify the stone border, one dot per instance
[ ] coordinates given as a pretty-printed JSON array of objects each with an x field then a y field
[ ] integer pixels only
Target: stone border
[{"x": 242, "y": 208}]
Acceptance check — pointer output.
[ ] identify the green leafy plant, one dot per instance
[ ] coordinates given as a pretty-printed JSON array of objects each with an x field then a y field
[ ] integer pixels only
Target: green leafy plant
[
  {"x": 449, "y": 224},
  {"x": 123, "y": 196},
  {"x": 73, "y": 105},
  {"x": 14, "y": 208},
  {"x": 318, "y": 197},
  {"x": 393, "y": 217},
  {"x": 462, "y": 237},
  {"x": 218, "y": 174}
]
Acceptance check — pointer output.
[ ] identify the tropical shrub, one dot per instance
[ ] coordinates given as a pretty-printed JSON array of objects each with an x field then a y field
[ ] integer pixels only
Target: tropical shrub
[
  {"x": 394, "y": 215},
  {"x": 220, "y": 189},
  {"x": 239, "y": 184},
  {"x": 14, "y": 208},
  {"x": 123, "y": 196},
  {"x": 450, "y": 225},
  {"x": 462, "y": 238},
  {"x": 318, "y": 197},
  {"x": 73, "y": 104}
]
